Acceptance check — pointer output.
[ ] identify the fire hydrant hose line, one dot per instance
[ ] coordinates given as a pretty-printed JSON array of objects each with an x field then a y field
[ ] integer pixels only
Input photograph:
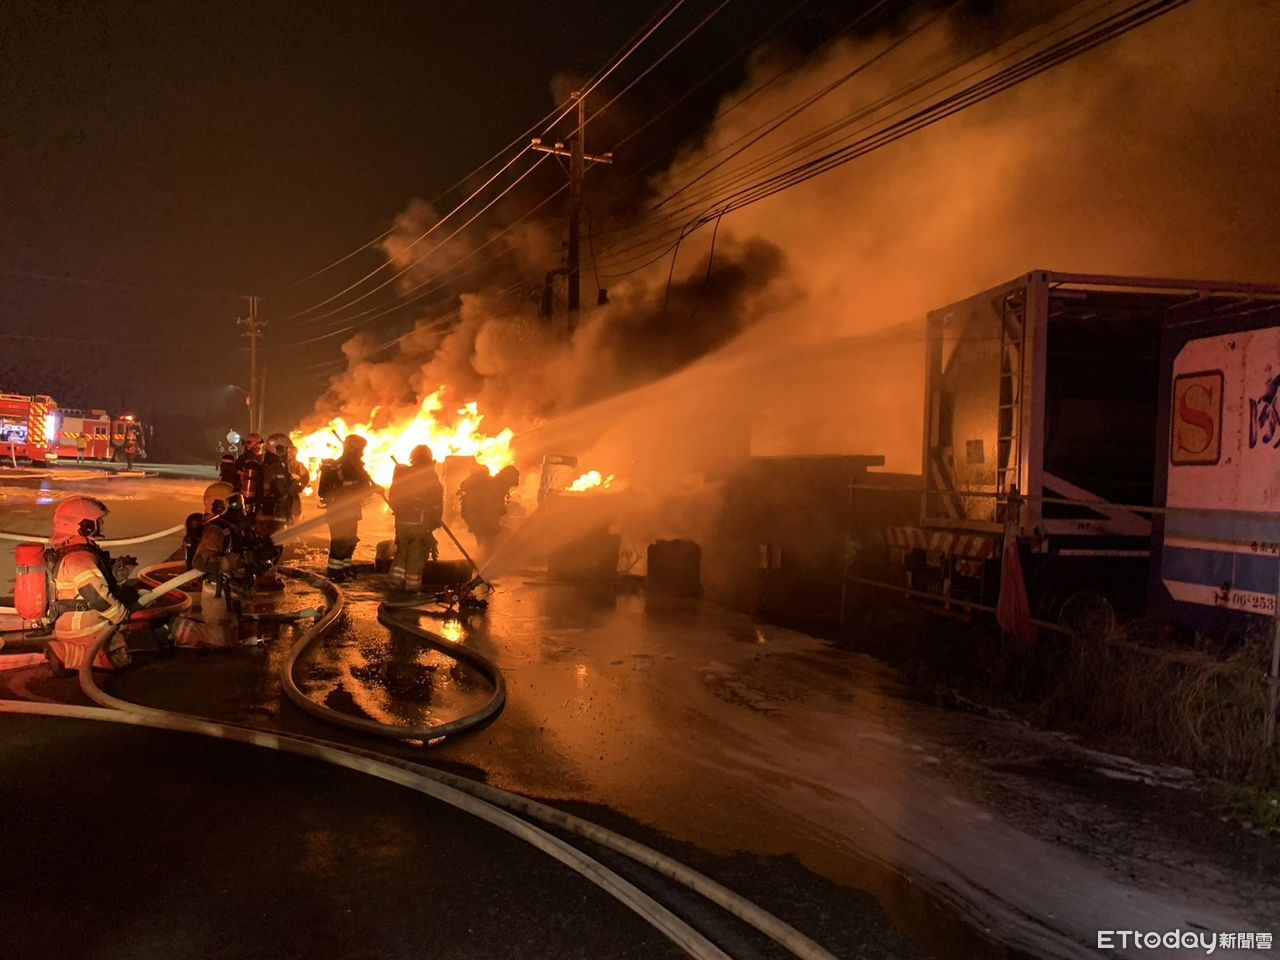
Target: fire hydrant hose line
[
  {"x": 429, "y": 733},
  {"x": 488, "y": 803},
  {"x": 106, "y": 544},
  {"x": 678, "y": 931}
]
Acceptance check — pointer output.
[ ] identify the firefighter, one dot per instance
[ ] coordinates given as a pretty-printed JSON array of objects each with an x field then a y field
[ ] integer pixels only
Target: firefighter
[
  {"x": 484, "y": 504},
  {"x": 301, "y": 480},
  {"x": 214, "y": 545},
  {"x": 87, "y": 598},
  {"x": 130, "y": 450},
  {"x": 417, "y": 498},
  {"x": 344, "y": 483},
  {"x": 227, "y": 469},
  {"x": 273, "y": 508},
  {"x": 249, "y": 466}
]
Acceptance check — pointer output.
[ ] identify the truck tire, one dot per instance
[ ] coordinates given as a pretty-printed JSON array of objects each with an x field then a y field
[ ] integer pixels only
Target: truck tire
[
  {"x": 1088, "y": 614},
  {"x": 1072, "y": 599}
]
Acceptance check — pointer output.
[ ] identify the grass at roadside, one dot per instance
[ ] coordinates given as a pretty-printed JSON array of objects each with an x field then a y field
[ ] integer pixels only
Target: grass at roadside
[{"x": 1133, "y": 692}]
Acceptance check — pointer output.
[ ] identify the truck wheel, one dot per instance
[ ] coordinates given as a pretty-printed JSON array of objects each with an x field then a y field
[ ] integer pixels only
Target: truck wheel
[{"x": 1088, "y": 614}]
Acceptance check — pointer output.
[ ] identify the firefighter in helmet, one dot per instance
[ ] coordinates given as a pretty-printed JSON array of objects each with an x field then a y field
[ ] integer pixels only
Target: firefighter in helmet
[
  {"x": 274, "y": 505},
  {"x": 417, "y": 498},
  {"x": 344, "y": 483},
  {"x": 484, "y": 504},
  {"x": 88, "y": 601},
  {"x": 301, "y": 480},
  {"x": 249, "y": 466},
  {"x": 214, "y": 545}
]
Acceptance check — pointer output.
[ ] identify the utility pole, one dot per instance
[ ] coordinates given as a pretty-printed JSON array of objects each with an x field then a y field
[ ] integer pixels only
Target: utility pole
[
  {"x": 254, "y": 325},
  {"x": 576, "y": 151}
]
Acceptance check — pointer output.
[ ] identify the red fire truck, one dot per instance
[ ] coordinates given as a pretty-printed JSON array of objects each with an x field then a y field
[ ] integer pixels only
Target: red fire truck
[
  {"x": 37, "y": 430},
  {"x": 105, "y": 436},
  {"x": 28, "y": 428}
]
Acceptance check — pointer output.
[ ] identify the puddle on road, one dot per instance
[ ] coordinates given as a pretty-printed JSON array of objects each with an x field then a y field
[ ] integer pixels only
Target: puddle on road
[{"x": 392, "y": 677}]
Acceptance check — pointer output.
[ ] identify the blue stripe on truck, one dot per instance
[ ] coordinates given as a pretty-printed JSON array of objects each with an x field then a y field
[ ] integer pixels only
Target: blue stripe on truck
[
  {"x": 1237, "y": 525},
  {"x": 1214, "y": 568}
]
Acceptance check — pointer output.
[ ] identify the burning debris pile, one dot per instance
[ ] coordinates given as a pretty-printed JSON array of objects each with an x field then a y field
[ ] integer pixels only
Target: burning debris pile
[
  {"x": 590, "y": 481},
  {"x": 391, "y": 438}
]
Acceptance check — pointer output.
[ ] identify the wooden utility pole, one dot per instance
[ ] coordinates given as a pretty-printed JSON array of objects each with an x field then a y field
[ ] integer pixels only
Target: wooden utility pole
[
  {"x": 576, "y": 151},
  {"x": 254, "y": 325}
]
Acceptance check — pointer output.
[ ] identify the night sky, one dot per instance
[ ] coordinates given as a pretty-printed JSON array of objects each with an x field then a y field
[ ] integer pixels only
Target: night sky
[{"x": 161, "y": 159}]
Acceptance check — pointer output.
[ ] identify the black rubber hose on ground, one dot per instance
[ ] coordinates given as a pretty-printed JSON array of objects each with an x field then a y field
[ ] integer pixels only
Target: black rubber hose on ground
[{"x": 428, "y": 734}]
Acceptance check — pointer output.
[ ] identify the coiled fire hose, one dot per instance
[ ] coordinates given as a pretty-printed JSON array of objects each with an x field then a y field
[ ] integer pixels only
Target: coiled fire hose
[
  {"x": 429, "y": 733},
  {"x": 491, "y": 804}
]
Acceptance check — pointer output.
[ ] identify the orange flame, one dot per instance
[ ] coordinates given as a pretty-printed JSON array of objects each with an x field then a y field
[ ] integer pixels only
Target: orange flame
[
  {"x": 589, "y": 481},
  {"x": 457, "y": 436}
]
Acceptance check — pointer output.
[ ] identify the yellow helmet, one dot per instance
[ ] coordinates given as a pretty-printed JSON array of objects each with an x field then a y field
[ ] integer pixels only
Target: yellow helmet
[{"x": 216, "y": 495}]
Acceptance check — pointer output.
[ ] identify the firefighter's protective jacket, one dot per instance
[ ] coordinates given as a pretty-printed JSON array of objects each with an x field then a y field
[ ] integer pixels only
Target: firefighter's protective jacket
[
  {"x": 85, "y": 589},
  {"x": 87, "y": 596},
  {"x": 417, "y": 497},
  {"x": 349, "y": 484}
]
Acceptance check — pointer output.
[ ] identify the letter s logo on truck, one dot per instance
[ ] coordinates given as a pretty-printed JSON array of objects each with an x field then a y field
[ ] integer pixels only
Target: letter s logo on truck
[{"x": 1197, "y": 418}]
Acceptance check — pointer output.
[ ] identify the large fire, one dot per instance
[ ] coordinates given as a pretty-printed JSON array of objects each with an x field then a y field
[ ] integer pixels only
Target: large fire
[{"x": 457, "y": 435}]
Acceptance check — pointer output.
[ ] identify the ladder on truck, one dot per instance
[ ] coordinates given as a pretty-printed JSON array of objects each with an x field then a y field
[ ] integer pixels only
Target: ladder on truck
[{"x": 1013, "y": 315}]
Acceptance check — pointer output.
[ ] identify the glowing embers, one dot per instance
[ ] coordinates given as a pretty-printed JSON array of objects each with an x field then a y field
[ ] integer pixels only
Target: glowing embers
[{"x": 393, "y": 439}]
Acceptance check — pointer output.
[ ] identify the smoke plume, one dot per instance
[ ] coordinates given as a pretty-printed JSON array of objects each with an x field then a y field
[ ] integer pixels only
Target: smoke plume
[{"x": 801, "y": 331}]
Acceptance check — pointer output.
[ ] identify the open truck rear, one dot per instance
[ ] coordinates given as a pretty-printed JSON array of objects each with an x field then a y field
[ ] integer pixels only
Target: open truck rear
[{"x": 1048, "y": 387}]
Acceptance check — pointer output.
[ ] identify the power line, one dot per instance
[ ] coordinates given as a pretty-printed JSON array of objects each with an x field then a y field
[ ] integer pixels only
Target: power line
[
  {"x": 548, "y": 119},
  {"x": 409, "y": 296},
  {"x": 1135, "y": 15},
  {"x": 378, "y": 269},
  {"x": 401, "y": 272},
  {"x": 1078, "y": 42}
]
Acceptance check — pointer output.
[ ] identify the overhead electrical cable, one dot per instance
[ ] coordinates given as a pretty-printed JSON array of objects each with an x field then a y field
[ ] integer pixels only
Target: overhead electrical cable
[
  {"x": 551, "y": 117},
  {"x": 424, "y": 287},
  {"x": 1087, "y": 38},
  {"x": 426, "y": 233}
]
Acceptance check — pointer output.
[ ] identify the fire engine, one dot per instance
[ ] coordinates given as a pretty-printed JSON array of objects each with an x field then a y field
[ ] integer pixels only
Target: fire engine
[
  {"x": 36, "y": 429},
  {"x": 28, "y": 428},
  {"x": 105, "y": 435}
]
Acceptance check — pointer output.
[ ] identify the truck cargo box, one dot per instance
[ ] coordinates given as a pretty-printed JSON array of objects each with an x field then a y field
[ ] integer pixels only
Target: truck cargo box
[
  {"x": 1049, "y": 386},
  {"x": 1217, "y": 549}
]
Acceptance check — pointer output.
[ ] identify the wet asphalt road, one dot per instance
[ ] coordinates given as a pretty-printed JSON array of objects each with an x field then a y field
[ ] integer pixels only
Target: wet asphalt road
[
  {"x": 803, "y": 776},
  {"x": 141, "y": 844}
]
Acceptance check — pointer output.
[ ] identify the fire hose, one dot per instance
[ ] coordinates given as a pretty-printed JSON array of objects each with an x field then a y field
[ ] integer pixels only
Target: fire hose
[
  {"x": 491, "y": 804},
  {"x": 429, "y": 733},
  {"x": 125, "y": 542}
]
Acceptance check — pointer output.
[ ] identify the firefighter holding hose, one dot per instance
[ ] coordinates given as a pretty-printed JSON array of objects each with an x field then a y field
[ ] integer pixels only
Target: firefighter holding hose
[
  {"x": 215, "y": 545},
  {"x": 344, "y": 483},
  {"x": 87, "y": 597},
  {"x": 417, "y": 498},
  {"x": 484, "y": 504}
]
